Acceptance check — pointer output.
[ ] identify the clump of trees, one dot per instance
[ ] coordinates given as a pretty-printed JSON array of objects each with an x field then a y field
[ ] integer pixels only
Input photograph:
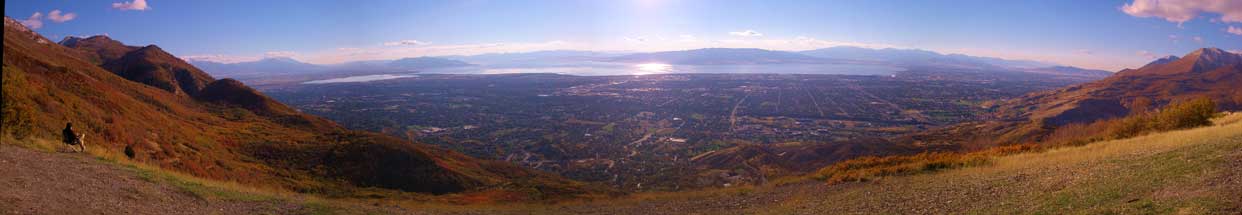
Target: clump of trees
[
  {"x": 1142, "y": 120},
  {"x": 1181, "y": 115}
]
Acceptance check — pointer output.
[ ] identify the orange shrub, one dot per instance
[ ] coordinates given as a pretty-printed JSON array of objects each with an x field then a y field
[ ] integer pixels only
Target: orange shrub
[
  {"x": 1180, "y": 115},
  {"x": 1189, "y": 114}
]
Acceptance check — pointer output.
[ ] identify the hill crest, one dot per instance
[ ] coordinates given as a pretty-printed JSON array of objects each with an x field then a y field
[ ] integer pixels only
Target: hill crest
[
  {"x": 100, "y": 48},
  {"x": 153, "y": 66},
  {"x": 1207, "y": 72}
]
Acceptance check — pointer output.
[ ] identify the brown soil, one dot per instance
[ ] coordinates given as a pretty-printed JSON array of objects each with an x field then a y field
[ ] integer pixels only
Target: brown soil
[{"x": 36, "y": 182}]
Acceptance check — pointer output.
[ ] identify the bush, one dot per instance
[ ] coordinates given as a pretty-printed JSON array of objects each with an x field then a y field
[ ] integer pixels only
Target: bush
[
  {"x": 1129, "y": 126},
  {"x": 1180, "y": 115},
  {"x": 1189, "y": 114},
  {"x": 16, "y": 117}
]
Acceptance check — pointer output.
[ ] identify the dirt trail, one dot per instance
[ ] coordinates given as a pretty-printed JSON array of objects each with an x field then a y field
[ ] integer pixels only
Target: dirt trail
[{"x": 34, "y": 182}]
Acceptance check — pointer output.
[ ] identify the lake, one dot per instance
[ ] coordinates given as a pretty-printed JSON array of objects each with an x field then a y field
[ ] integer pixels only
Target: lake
[{"x": 610, "y": 69}]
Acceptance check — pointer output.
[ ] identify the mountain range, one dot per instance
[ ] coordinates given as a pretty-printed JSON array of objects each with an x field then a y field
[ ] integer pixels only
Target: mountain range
[
  {"x": 534, "y": 58},
  {"x": 919, "y": 57},
  {"x": 266, "y": 65},
  {"x": 904, "y": 58},
  {"x": 1204, "y": 73},
  {"x": 721, "y": 56},
  {"x": 279, "y": 66}
]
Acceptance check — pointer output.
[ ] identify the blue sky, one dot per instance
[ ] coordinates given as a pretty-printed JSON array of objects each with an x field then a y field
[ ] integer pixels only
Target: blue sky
[{"x": 1095, "y": 34}]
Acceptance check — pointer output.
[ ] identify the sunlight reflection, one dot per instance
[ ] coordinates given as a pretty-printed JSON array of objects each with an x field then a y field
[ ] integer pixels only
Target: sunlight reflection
[{"x": 652, "y": 68}]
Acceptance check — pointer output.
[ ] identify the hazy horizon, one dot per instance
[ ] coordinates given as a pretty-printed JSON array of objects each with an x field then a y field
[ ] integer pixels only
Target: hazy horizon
[{"x": 1107, "y": 35}]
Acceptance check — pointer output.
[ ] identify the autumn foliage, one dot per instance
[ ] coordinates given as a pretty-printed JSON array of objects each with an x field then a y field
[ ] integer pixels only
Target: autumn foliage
[{"x": 1180, "y": 115}]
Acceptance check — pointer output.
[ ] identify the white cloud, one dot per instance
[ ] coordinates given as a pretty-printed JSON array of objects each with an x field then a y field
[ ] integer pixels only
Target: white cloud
[
  {"x": 1145, "y": 54},
  {"x": 34, "y": 22},
  {"x": 276, "y": 54},
  {"x": 634, "y": 39},
  {"x": 131, "y": 5},
  {"x": 1198, "y": 39},
  {"x": 57, "y": 17},
  {"x": 1084, "y": 52},
  {"x": 405, "y": 43},
  {"x": 1180, "y": 11},
  {"x": 746, "y": 33},
  {"x": 1234, "y": 30}
]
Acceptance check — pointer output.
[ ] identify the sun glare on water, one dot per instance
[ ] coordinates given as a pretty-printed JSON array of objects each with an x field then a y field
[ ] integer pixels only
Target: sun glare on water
[{"x": 652, "y": 68}]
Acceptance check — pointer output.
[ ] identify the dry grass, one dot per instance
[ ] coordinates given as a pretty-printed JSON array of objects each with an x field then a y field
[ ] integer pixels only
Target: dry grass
[
  {"x": 1227, "y": 118},
  {"x": 205, "y": 188},
  {"x": 38, "y": 144},
  {"x": 1169, "y": 172},
  {"x": 1143, "y": 145},
  {"x": 870, "y": 168},
  {"x": 1110, "y": 177},
  {"x": 1180, "y": 115}
]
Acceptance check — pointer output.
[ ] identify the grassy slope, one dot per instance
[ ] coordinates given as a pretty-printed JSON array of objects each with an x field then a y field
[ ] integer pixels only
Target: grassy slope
[
  {"x": 154, "y": 190},
  {"x": 1193, "y": 171}
]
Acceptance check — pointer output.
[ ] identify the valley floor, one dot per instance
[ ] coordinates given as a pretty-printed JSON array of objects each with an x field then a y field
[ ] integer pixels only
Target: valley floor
[{"x": 1193, "y": 171}]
